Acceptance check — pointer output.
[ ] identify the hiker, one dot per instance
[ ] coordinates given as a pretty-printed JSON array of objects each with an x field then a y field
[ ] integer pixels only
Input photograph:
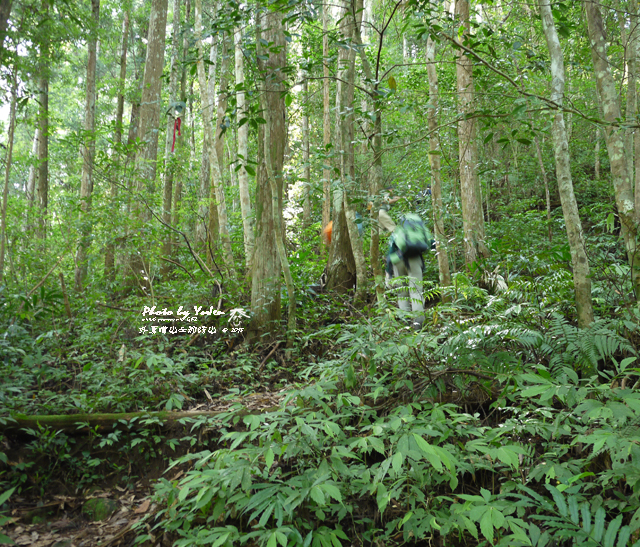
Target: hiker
[{"x": 409, "y": 241}]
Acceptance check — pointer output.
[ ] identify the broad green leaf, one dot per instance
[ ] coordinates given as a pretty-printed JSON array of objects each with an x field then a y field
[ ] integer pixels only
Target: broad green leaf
[
  {"x": 397, "y": 461},
  {"x": 332, "y": 491},
  {"x": 612, "y": 531},
  {"x": 268, "y": 458},
  {"x": 382, "y": 497},
  {"x": 598, "y": 526},
  {"x": 6, "y": 495},
  {"x": 430, "y": 453},
  {"x": 317, "y": 495},
  {"x": 486, "y": 526},
  {"x": 586, "y": 517},
  {"x": 273, "y": 540}
]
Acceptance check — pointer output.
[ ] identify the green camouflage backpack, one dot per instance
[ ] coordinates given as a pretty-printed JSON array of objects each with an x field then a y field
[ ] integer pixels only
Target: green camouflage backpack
[{"x": 411, "y": 239}]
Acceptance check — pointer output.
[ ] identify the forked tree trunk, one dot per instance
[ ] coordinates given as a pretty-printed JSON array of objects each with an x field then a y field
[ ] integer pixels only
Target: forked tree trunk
[
  {"x": 88, "y": 150},
  {"x": 216, "y": 177},
  {"x": 614, "y": 137},
  {"x": 243, "y": 151},
  {"x": 579, "y": 260},
  {"x": 172, "y": 135},
  {"x": 326, "y": 119},
  {"x": 472, "y": 217},
  {"x": 7, "y": 172},
  {"x": 434, "y": 161}
]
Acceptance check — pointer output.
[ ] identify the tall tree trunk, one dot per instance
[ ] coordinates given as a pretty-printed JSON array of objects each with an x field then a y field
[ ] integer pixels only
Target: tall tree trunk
[
  {"x": 151, "y": 101},
  {"x": 32, "y": 180},
  {"x": 434, "y": 161},
  {"x": 265, "y": 280},
  {"x": 243, "y": 154},
  {"x": 579, "y": 260},
  {"x": 216, "y": 177},
  {"x": 7, "y": 172},
  {"x": 546, "y": 187},
  {"x": 88, "y": 150},
  {"x": 341, "y": 269},
  {"x": 596, "y": 166},
  {"x": 326, "y": 118},
  {"x": 472, "y": 217},
  {"x": 215, "y": 217},
  {"x": 614, "y": 137},
  {"x": 306, "y": 211},
  {"x": 172, "y": 134},
  {"x": 203, "y": 224},
  {"x": 109, "y": 257},
  {"x": 43, "y": 129},
  {"x": 274, "y": 144}
]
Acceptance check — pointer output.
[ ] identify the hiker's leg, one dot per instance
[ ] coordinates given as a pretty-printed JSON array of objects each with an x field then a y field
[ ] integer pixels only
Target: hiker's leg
[
  {"x": 400, "y": 271},
  {"x": 385, "y": 220},
  {"x": 415, "y": 284}
]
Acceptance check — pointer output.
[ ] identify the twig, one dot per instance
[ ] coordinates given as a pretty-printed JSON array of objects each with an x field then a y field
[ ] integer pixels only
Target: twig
[
  {"x": 63, "y": 286},
  {"x": 115, "y": 307},
  {"x": 176, "y": 263},
  {"x": 267, "y": 357},
  {"x": 41, "y": 282}
]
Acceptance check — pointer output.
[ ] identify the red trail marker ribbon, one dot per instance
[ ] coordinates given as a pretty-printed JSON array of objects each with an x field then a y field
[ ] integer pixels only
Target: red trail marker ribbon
[{"x": 176, "y": 126}]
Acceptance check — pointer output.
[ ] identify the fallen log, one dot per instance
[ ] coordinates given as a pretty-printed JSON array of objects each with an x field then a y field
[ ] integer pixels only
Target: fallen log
[{"x": 82, "y": 423}]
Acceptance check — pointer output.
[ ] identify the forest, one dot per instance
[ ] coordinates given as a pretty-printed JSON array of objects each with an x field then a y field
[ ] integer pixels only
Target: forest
[{"x": 304, "y": 274}]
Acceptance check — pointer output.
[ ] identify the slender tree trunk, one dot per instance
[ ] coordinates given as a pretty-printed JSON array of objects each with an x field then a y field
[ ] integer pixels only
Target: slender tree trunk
[
  {"x": 306, "y": 212},
  {"x": 7, "y": 172},
  {"x": 546, "y": 187},
  {"x": 579, "y": 260},
  {"x": 32, "y": 180},
  {"x": 109, "y": 257},
  {"x": 434, "y": 161},
  {"x": 216, "y": 178},
  {"x": 326, "y": 118},
  {"x": 596, "y": 167},
  {"x": 172, "y": 135},
  {"x": 243, "y": 155},
  {"x": 215, "y": 215},
  {"x": 88, "y": 150},
  {"x": 43, "y": 130},
  {"x": 203, "y": 224},
  {"x": 614, "y": 138},
  {"x": 472, "y": 217}
]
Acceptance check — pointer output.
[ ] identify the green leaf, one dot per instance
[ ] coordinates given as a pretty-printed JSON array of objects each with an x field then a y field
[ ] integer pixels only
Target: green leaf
[
  {"x": 429, "y": 452},
  {"x": 598, "y": 527},
  {"x": 288, "y": 99},
  {"x": 612, "y": 531},
  {"x": 397, "y": 461},
  {"x": 273, "y": 540},
  {"x": 6, "y": 540},
  {"x": 573, "y": 510},
  {"x": 332, "y": 491},
  {"x": 486, "y": 526},
  {"x": 586, "y": 517},
  {"x": 6, "y": 495},
  {"x": 559, "y": 499},
  {"x": 317, "y": 495},
  {"x": 623, "y": 537},
  {"x": 382, "y": 497},
  {"x": 268, "y": 458}
]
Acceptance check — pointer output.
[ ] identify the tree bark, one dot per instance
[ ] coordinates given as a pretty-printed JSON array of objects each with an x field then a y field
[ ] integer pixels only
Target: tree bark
[
  {"x": 274, "y": 144},
  {"x": 109, "y": 257},
  {"x": 306, "y": 211},
  {"x": 326, "y": 119},
  {"x": 434, "y": 161},
  {"x": 43, "y": 130},
  {"x": 151, "y": 101},
  {"x": 243, "y": 154},
  {"x": 579, "y": 260},
  {"x": 170, "y": 157},
  {"x": 472, "y": 217},
  {"x": 341, "y": 268},
  {"x": 614, "y": 138},
  {"x": 7, "y": 171},
  {"x": 88, "y": 150},
  {"x": 5, "y": 12},
  {"x": 216, "y": 178}
]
